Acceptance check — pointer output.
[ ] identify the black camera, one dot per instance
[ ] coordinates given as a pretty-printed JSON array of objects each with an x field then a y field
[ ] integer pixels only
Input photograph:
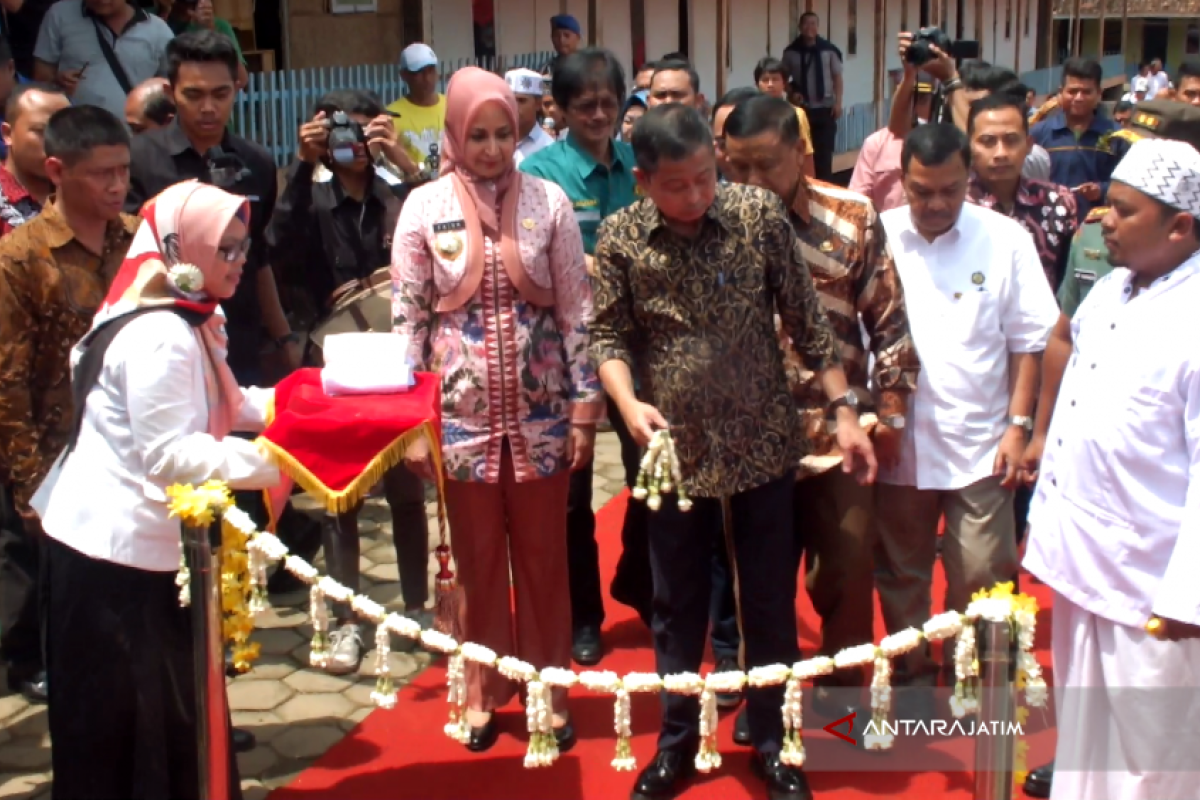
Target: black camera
[
  {"x": 225, "y": 170},
  {"x": 920, "y": 52},
  {"x": 344, "y": 135}
]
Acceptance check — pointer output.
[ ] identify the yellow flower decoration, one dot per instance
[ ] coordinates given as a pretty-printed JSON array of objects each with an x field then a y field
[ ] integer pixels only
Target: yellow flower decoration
[{"x": 198, "y": 508}]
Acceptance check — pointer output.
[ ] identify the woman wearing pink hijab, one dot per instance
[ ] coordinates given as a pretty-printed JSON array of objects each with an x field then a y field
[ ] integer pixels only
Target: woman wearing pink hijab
[
  {"x": 155, "y": 403},
  {"x": 490, "y": 285}
]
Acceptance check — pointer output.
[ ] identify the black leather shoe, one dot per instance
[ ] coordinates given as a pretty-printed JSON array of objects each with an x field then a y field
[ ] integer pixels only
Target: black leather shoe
[
  {"x": 783, "y": 782},
  {"x": 243, "y": 740},
  {"x": 586, "y": 649},
  {"x": 741, "y": 729},
  {"x": 1037, "y": 782},
  {"x": 664, "y": 776},
  {"x": 565, "y": 737},
  {"x": 36, "y": 689},
  {"x": 482, "y": 739},
  {"x": 728, "y": 700}
]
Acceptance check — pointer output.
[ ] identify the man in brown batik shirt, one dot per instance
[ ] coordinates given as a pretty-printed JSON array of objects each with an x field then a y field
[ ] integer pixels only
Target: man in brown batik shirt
[
  {"x": 843, "y": 243},
  {"x": 54, "y": 273},
  {"x": 686, "y": 288}
]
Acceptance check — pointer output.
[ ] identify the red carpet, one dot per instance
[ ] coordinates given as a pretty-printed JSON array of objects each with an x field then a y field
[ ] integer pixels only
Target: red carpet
[{"x": 403, "y": 755}]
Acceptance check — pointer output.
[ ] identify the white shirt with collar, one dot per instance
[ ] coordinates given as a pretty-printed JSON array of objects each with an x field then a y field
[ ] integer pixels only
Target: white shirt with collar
[
  {"x": 143, "y": 431},
  {"x": 1157, "y": 82},
  {"x": 974, "y": 295},
  {"x": 534, "y": 141},
  {"x": 1115, "y": 522}
]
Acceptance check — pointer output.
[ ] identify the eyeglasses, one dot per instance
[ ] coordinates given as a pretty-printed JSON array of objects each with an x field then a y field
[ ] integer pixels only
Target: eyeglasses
[
  {"x": 235, "y": 252},
  {"x": 607, "y": 104}
]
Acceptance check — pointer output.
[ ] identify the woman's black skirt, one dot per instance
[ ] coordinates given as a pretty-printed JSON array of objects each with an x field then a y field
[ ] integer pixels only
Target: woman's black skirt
[{"x": 122, "y": 699}]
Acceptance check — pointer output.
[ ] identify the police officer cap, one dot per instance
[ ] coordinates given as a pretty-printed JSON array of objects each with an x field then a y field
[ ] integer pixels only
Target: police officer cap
[{"x": 1167, "y": 119}]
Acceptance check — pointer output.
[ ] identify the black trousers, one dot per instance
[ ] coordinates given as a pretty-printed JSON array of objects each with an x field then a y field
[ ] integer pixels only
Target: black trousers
[
  {"x": 583, "y": 556},
  {"x": 824, "y": 136},
  {"x": 681, "y": 556},
  {"x": 405, "y": 493},
  {"x": 122, "y": 708},
  {"x": 633, "y": 581},
  {"x": 21, "y": 648}
]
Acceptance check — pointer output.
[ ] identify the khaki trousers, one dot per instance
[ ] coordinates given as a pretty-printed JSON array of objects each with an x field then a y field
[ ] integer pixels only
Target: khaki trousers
[
  {"x": 522, "y": 527},
  {"x": 834, "y": 535},
  {"x": 979, "y": 549}
]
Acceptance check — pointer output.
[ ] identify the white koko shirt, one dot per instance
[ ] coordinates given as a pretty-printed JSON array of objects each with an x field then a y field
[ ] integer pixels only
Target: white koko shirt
[
  {"x": 974, "y": 295},
  {"x": 534, "y": 141},
  {"x": 144, "y": 430},
  {"x": 1115, "y": 522}
]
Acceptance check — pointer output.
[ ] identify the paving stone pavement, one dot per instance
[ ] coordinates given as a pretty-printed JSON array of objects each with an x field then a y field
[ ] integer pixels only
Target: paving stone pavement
[{"x": 295, "y": 711}]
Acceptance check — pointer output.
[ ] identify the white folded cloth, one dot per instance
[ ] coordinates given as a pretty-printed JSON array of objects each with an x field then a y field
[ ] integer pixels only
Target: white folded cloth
[{"x": 366, "y": 363}]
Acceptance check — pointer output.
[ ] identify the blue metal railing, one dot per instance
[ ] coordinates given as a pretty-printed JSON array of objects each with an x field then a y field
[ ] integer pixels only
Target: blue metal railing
[
  {"x": 274, "y": 104},
  {"x": 857, "y": 123}
]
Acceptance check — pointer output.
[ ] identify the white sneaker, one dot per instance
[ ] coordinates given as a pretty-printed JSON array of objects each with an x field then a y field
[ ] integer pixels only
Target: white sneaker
[{"x": 345, "y": 650}]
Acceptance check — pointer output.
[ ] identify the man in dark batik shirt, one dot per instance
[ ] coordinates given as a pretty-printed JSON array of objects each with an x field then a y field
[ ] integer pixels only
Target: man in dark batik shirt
[
  {"x": 686, "y": 288},
  {"x": 999, "y": 133}
]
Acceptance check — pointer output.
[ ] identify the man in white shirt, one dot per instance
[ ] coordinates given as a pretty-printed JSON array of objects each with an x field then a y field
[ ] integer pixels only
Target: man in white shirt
[
  {"x": 531, "y": 137},
  {"x": 980, "y": 309},
  {"x": 1137, "y": 89},
  {"x": 1115, "y": 524},
  {"x": 1158, "y": 79}
]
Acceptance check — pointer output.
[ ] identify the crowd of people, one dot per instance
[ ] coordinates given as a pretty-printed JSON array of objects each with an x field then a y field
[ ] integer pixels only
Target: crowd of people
[{"x": 980, "y": 333}]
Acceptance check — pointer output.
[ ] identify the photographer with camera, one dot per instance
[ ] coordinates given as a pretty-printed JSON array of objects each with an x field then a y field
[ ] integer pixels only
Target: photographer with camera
[{"x": 331, "y": 234}]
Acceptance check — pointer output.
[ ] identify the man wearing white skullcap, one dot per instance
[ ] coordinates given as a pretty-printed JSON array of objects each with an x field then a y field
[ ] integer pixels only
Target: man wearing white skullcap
[
  {"x": 527, "y": 86},
  {"x": 1115, "y": 523}
]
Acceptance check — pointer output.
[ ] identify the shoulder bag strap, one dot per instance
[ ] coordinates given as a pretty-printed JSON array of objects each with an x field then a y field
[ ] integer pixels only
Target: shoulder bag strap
[
  {"x": 114, "y": 63},
  {"x": 95, "y": 345}
]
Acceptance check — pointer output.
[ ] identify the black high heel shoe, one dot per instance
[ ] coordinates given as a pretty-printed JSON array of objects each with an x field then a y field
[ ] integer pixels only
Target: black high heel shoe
[{"x": 483, "y": 738}]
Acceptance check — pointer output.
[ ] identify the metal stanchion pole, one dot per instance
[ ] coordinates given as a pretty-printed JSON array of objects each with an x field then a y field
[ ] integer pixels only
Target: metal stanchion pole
[
  {"x": 997, "y": 710},
  {"x": 202, "y": 547}
]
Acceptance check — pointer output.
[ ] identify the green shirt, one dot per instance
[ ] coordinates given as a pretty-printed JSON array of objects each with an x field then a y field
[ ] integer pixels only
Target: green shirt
[
  {"x": 221, "y": 26},
  {"x": 1087, "y": 264},
  {"x": 595, "y": 191}
]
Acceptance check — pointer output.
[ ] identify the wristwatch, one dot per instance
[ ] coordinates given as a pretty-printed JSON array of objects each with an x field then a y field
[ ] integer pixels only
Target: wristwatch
[
  {"x": 848, "y": 400},
  {"x": 1022, "y": 422},
  {"x": 895, "y": 422},
  {"x": 286, "y": 339}
]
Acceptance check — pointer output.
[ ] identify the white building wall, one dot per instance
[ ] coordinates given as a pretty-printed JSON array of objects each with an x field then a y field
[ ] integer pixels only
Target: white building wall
[
  {"x": 662, "y": 27},
  {"x": 757, "y": 28},
  {"x": 702, "y": 44},
  {"x": 1027, "y": 57},
  {"x": 448, "y": 28},
  {"x": 749, "y": 32},
  {"x": 615, "y": 31},
  {"x": 523, "y": 26}
]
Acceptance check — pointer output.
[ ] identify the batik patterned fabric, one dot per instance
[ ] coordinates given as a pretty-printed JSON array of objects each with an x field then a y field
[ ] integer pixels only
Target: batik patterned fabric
[
  {"x": 694, "y": 318},
  {"x": 844, "y": 246},
  {"x": 1047, "y": 211},
  {"x": 17, "y": 206},
  {"x": 509, "y": 369},
  {"x": 50, "y": 288}
]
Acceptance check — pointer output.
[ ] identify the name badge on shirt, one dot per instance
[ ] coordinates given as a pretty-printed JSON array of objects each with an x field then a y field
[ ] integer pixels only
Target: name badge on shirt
[
  {"x": 587, "y": 211},
  {"x": 448, "y": 238},
  {"x": 1085, "y": 276}
]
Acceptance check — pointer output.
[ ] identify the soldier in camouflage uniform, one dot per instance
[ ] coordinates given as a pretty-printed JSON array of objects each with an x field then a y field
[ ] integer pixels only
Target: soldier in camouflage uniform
[{"x": 1087, "y": 264}]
